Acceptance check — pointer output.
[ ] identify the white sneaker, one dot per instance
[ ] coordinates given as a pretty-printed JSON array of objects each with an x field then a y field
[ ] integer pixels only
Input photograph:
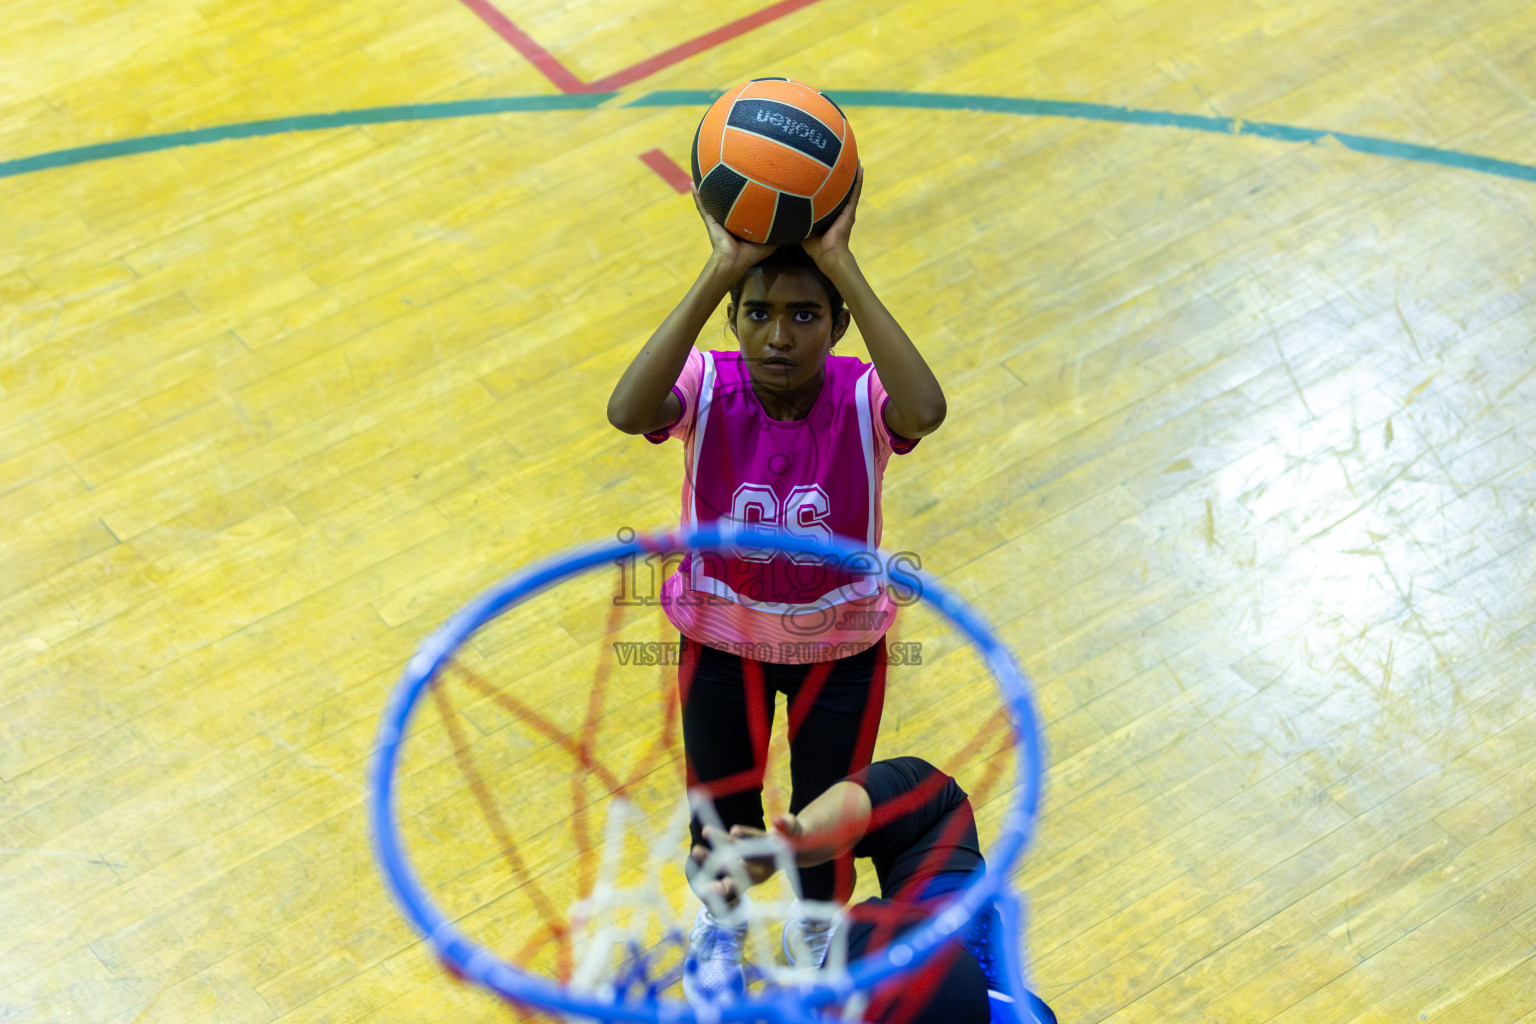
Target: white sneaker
[
  {"x": 712, "y": 973},
  {"x": 806, "y": 942}
]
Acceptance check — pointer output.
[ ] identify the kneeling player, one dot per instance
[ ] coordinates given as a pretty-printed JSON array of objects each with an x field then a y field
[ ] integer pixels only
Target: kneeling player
[{"x": 915, "y": 823}]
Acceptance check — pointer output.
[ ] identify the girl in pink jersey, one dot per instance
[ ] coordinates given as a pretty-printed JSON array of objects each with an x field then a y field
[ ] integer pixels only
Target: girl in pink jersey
[{"x": 781, "y": 435}]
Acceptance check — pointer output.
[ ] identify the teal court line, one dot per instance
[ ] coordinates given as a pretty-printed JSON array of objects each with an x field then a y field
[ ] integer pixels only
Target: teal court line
[{"x": 1019, "y": 107}]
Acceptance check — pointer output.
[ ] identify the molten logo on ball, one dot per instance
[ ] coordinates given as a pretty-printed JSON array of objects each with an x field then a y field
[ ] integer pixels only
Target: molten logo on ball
[{"x": 790, "y": 126}]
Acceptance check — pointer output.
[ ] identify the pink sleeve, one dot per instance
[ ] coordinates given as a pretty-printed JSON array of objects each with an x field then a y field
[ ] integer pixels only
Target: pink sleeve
[
  {"x": 887, "y": 441},
  {"x": 687, "y": 391}
]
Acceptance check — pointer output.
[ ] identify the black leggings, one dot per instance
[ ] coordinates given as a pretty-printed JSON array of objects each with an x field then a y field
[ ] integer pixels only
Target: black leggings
[{"x": 727, "y": 707}]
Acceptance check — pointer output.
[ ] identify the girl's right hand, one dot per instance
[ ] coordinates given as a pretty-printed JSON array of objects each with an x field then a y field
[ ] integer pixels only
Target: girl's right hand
[{"x": 736, "y": 253}]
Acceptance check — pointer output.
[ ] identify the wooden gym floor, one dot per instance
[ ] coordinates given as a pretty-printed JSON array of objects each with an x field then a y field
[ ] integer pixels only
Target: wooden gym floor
[{"x": 1233, "y": 305}]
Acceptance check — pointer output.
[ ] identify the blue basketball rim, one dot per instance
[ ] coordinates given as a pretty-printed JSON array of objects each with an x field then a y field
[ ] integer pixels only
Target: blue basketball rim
[{"x": 479, "y": 965}]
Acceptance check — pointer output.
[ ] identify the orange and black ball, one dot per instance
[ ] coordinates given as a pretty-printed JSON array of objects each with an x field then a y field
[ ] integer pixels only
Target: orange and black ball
[{"x": 774, "y": 161}]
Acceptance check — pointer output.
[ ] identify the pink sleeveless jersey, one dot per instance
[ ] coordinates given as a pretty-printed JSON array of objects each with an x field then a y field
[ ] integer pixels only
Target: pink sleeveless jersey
[{"x": 816, "y": 478}]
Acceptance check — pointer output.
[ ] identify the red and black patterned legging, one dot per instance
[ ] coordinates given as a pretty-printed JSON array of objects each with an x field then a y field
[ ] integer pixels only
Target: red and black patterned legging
[{"x": 727, "y": 711}]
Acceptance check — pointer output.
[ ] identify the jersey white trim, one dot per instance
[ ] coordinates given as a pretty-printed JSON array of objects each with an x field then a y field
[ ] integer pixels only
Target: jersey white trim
[
  {"x": 867, "y": 440},
  {"x": 719, "y": 588},
  {"x": 704, "y": 400}
]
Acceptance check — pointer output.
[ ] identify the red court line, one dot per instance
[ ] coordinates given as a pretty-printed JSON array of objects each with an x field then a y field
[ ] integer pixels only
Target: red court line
[
  {"x": 665, "y": 166},
  {"x": 524, "y": 44},
  {"x": 683, "y": 51},
  {"x": 565, "y": 81}
]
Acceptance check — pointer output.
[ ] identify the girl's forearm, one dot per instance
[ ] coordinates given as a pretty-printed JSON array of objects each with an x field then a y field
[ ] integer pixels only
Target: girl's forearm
[
  {"x": 917, "y": 402},
  {"x": 638, "y": 402},
  {"x": 832, "y": 824}
]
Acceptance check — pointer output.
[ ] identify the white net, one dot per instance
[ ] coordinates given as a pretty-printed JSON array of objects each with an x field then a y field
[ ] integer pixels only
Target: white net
[{"x": 629, "y": 934}]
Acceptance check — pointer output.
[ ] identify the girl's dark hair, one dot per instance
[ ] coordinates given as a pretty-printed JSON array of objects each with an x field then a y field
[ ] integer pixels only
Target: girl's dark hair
[{"x": 792, "y": 257}]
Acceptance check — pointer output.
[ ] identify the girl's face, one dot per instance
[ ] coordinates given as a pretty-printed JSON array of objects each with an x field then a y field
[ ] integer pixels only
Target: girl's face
[{"x": 786, "y": 327}]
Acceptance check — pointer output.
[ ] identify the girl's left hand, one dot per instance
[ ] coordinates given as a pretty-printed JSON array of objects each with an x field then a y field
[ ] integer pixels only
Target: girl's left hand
[{"x": 834, "y": 241}]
